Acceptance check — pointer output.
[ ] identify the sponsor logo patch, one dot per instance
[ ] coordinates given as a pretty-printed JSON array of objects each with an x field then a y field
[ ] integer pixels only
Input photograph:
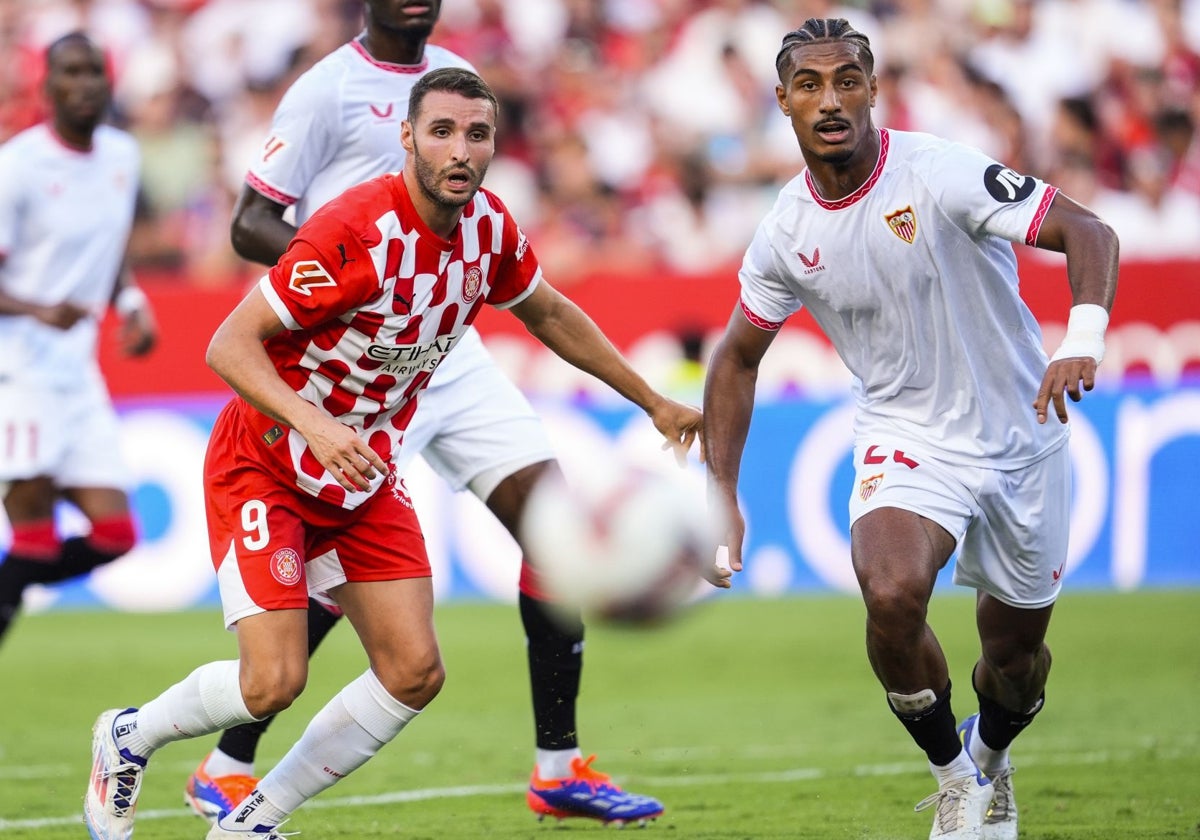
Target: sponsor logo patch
[
  {"x": 811, "y": 264},
  {"x": 1007, "y": 186},
  {"x": 272, "y": 146},
  {"x": 286, "y": 566},
  {"x": 308, "y": 275},
  {"x": 903, "y": 223}
]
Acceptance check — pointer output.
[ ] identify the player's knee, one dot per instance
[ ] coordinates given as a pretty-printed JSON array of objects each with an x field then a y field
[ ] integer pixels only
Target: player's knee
[
  {"x": 270, "y": 691},
  {"x": 113, "y": 536},
  {"x": 894, "y": 604},
  {"x": 416, "y": 681}
]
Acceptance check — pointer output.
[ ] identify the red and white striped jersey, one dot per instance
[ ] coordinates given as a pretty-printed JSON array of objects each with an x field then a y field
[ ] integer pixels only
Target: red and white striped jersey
[
  {"x": 373, "y": 301},
  {"x": 913, "y": 279}
]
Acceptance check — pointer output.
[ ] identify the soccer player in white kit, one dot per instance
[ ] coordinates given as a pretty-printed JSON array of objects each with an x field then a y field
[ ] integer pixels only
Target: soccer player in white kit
[
  {"x": 899, "y": 245},
  {"x": 328, "y": 356},
  {"x": 67, "y": 193},
  {"x": 338, "y": 126}
]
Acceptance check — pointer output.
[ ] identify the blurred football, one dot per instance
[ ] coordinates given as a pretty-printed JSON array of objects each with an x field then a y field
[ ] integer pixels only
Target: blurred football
[{"x": 621, "y": 542}]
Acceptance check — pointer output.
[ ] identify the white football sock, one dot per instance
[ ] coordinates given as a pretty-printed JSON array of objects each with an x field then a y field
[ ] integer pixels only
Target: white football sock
[
  {"x": 960, "y": 767},
  {"x": 221, "y": 764},
  {"x": 556, "y": 764},
  {"x": 990, "y": 761},
  {"x": 207, "y": 700},
  {"x": 351, "y": 728}
]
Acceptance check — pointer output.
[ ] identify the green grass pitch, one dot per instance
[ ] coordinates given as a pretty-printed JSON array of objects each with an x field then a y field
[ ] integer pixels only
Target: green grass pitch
[{"x": 749, "y": 718}]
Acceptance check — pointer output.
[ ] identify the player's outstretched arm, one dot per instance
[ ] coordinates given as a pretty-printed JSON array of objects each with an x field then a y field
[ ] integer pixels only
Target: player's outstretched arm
[
  {"x": 236, "y": 353},
  {"x": 728, "y": 403},
  {"x": 1092, "y": 253},
  {"x": 558, "y": 323}
]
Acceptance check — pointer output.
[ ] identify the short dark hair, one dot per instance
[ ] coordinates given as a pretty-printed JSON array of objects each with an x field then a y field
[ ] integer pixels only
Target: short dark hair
[
  {"x": 824, "y": 30},
  {"x": 449, "y": 80},
  {"x": 76, "y": 37}
]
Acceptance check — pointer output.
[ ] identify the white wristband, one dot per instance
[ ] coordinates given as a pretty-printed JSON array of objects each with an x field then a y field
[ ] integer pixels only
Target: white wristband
[
  {"x": 129, "y": 300},
  {"x": 1085, "y": 333}
]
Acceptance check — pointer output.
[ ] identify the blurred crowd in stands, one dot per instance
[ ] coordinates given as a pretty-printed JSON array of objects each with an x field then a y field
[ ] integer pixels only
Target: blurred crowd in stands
[{"x": 643, "y": 135}]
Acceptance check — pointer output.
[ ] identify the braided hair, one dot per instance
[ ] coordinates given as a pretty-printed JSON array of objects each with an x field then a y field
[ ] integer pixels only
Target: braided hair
[{"x": 823, "y": 30}]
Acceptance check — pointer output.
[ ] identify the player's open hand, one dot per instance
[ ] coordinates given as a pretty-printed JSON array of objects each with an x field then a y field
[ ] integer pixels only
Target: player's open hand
[
  {"x": 139, "y": 332},
  {"x": 1071, "y": 376},
  {"x": 341, "y": 451},
  {"x": 681, "y": 426}
]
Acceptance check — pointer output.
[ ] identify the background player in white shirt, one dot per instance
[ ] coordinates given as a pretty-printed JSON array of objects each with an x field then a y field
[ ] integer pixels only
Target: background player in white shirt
[
  {"x": 899, "y": 245},
  {"x": 329, "y": 355},
  {"x": 67, "y": 194},
  {"x": 337, "y": 126}
]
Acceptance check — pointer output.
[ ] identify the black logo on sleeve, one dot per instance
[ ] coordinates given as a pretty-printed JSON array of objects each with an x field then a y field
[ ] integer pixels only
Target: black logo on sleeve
[
  {"x": 342, "y": 250},
  {"x": 1006, "y": 185}
]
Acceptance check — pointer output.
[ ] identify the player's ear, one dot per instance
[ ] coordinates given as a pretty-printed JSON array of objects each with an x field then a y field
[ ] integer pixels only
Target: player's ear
[
  {"x": 873, "y": 86},
  {"x": 781, "y": 98},
  {"x": 406, "y": 136}
]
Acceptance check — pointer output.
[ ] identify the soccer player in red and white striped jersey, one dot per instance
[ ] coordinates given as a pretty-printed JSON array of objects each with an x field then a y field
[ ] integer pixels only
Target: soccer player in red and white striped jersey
[{"x": 328, "y": 356}]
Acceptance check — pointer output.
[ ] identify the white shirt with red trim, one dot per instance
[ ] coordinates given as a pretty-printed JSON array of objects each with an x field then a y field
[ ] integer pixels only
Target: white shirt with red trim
[
  {"x": 65, "y": 217},
  {"x": 373, "y": 301},
  {"x": 339, "y": 125},
  {"x": 914, "y": 281}
]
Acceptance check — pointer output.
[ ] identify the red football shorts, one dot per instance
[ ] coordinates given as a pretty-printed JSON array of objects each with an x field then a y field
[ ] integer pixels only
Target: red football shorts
[{"x": 273, "y": 544}]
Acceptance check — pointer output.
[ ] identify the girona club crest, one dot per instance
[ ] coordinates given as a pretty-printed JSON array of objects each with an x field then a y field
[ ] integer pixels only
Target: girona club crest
[
  {"x": 868, "y": 486},
  {"x": 286, "y": 566},
  {"x": 472, "y": 283},
  {"x": 903, "y": 223}
]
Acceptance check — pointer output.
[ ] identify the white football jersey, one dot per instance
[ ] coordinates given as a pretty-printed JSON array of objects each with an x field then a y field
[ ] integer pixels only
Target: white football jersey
[
  {"x": 914, "y": 281},
  {"x": 339, "y": 125},
  {"x": 65, "y": 217}
]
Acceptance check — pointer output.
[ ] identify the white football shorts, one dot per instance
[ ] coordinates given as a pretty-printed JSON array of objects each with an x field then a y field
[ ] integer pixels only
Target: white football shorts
[
  {"x": 72, "y": 435},
  {"x": 1011, "y": 525},
  {"x": 473, "y": 425}
]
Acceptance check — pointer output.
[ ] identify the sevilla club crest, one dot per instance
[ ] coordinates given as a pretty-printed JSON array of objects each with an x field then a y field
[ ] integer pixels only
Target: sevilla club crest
[{"x": 903, "y": 223}]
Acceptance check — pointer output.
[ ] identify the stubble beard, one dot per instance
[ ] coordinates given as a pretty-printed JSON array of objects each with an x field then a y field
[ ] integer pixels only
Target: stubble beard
[{"x": 427, "y": 180}]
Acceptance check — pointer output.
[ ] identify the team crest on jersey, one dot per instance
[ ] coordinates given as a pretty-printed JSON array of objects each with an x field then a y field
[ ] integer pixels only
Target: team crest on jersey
[
  {"x": 286, "y": 566},
  {"x": 868, "y": 486},
  {"x": 308, "y": 275},
  {"x": 472, "y": 283},
  {"x": 903, "y": 223}
]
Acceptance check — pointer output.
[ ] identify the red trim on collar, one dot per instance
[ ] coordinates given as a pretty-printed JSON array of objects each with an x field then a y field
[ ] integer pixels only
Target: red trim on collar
[
  {"x": 858, "y": 194},
  {"x": 407, "y": 69}
]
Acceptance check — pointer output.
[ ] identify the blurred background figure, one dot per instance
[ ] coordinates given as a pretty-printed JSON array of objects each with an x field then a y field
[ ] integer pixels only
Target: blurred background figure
[
  {"x": 67, "y": 194},
  {"x": 610, "y": 150}
]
